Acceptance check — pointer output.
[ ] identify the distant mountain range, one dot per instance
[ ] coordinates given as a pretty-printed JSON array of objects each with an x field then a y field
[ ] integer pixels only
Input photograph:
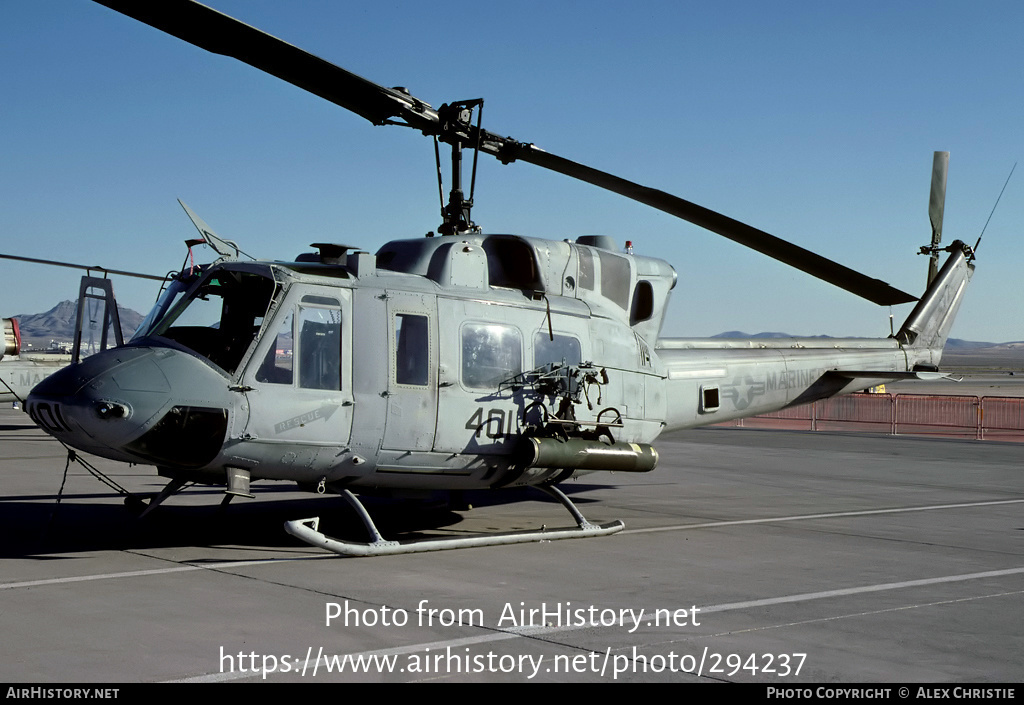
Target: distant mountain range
[
  {"x": 951, "y": 344},
  {"x": 962, "y": 354},
  {"x": 59, "y": 324}
]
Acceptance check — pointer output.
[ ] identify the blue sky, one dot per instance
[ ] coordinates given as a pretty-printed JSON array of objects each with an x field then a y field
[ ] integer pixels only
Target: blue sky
[{"x": 815, "y": 121}]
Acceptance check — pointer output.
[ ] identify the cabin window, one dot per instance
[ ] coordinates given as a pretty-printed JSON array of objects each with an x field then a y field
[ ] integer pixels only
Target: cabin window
[
  {"x": 319, "y": 352},
  {"x": 491, "y": 354},
  {"x": 412, "y": 349},
  {"x": 563, "y": 350}
]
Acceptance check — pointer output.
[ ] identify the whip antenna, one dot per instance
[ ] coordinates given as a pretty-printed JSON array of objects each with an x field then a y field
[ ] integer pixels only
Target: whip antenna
[{"x": 994, "y": 207}]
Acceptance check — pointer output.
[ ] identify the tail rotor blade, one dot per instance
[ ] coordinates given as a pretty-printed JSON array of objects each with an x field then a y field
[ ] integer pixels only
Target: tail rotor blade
[
  {"x": 936, "y": 207},
  {"x": 937, "y": 203}
]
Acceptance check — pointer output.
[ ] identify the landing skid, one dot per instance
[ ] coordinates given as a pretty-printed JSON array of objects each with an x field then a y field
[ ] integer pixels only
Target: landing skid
[
  {"x": 308, "y": 530},
  {"x": 138, "y": 503}
]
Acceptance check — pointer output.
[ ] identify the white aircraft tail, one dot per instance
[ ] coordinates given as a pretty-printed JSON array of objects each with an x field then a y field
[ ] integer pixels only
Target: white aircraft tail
[{"x": 12, "y": 337}]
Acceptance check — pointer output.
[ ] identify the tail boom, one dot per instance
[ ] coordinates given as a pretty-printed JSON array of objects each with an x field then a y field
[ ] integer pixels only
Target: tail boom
[{"x": 709, "y": 381}]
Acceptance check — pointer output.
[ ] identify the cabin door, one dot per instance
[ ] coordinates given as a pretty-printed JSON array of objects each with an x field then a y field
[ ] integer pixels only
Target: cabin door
[{"x": 412, "y": 376}]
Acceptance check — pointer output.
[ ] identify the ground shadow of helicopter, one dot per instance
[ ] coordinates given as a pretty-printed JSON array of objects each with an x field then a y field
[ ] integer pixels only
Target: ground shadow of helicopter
[
  {"x": 460, "y": 362},
  {"x": 36, "y": 526}
]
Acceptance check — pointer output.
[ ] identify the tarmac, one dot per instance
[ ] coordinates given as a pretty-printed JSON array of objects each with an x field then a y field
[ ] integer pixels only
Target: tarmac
[{"x": 775, "y": 557}]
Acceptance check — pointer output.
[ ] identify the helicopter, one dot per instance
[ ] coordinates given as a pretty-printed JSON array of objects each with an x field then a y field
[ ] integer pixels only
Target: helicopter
[{"x": 458, "y": 361}]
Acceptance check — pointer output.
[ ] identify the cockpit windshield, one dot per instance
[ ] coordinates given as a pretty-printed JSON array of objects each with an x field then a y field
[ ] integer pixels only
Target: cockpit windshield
[
  {"x": 218, "y": 318},
  {"x": 167, "y": 300}
]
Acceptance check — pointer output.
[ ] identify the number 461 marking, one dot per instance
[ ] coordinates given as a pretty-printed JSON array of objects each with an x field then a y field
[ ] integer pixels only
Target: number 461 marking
[{"x": 497, "y": 424}]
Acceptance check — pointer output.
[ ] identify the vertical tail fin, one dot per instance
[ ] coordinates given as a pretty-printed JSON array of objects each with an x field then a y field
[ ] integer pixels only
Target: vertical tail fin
[{"x": 928, "y": 325}]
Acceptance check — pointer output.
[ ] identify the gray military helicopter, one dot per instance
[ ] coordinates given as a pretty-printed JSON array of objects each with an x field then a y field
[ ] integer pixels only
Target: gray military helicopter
[{"x": 454, "y": 362}]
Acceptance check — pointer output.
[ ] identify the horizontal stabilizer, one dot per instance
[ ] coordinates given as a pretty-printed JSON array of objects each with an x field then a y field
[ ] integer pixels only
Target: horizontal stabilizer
[{"x": 881, "y": 374}]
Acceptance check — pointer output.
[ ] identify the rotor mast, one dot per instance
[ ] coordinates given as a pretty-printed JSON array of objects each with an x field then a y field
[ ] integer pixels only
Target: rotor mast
[{"x": 455, "y": 123}]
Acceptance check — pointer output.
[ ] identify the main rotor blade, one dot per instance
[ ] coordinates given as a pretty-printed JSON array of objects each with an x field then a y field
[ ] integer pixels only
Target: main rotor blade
[
  {"x": 94, "y": 268},
  {"x": 221, "y": 34},
  {"x": 218, "y": 33},
  {"x": 853, "y": 281}
]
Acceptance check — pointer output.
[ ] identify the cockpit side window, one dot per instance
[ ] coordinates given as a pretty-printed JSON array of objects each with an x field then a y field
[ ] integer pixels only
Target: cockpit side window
[
  {"x": 277, "y": 365},
  {"x": 306, "y": 348},
  {"x": 319, "y": 348}
]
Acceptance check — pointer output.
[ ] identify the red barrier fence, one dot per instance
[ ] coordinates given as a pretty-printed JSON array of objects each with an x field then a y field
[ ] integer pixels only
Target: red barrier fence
[{"x": 982, "y": 418}]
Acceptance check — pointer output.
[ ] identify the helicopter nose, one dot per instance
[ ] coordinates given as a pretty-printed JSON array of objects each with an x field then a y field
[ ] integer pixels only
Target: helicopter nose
[{"x": 136, "y": 404}]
